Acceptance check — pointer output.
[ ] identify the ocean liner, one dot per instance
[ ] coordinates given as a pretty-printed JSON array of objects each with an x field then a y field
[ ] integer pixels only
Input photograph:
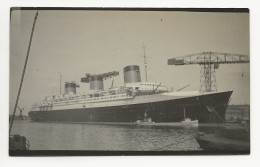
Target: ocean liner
[{"x": 134, "y": 102}]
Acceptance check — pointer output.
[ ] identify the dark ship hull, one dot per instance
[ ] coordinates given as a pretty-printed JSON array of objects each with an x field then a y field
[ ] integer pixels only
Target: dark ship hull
[{"x": 205, "y": 108}]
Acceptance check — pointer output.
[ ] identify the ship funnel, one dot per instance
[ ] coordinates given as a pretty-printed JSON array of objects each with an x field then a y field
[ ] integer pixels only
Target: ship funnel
[
  {"x": 96, "y": 83},
  {"x": 132, "y": 74},
  {"x": 70, "y": 87}
]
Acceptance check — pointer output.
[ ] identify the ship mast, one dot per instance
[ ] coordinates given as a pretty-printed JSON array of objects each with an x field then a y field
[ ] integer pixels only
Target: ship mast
[
  {"x": 184, "y": 113},
  {"x": 145, "y": 64},
  {"x": 60, "y": 81}
]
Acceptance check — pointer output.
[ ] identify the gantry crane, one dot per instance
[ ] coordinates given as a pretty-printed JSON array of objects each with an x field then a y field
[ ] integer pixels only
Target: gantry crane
[
  {"x": 209, "y": 62},
  {"x": 21, "y": 112}
]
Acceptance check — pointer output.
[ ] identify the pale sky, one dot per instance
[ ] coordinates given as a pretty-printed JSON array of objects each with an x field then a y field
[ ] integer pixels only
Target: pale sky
[{"x": 76, "y": 42}]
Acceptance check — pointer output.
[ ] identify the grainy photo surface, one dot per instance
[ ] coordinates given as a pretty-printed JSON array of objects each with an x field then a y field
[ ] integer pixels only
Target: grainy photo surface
[{"x": 129, "y": 81}]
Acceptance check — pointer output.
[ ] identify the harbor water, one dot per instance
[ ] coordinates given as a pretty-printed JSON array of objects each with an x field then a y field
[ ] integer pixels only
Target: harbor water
[{"x": 81, "y": 136}]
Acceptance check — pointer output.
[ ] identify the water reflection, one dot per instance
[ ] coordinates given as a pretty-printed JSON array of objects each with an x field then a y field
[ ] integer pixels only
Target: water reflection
[{"x": 62, "y": 136}]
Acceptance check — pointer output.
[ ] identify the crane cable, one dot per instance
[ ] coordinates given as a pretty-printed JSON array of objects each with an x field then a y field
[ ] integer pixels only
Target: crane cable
[{"x": 24, "y": 68}]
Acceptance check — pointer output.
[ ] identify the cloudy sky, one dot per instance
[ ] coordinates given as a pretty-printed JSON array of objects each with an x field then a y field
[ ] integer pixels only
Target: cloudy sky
[{"x": 76, "y": 42}]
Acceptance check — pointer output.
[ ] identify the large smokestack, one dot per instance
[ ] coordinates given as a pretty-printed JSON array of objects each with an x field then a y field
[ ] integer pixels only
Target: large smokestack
[
  {"x": 132, "y": 74},
  {"x": 96, "y": 83},
  {"x": 70, "y": 87}
]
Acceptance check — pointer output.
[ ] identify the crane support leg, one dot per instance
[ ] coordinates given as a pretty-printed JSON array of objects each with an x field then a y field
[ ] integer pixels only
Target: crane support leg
[{"x": 208, "y": 78}]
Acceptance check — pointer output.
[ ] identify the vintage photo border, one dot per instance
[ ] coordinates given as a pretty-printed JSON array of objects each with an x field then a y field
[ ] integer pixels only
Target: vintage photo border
[
  {"x": 201, "y": 161},
  {"x": 116, "y": 153}
]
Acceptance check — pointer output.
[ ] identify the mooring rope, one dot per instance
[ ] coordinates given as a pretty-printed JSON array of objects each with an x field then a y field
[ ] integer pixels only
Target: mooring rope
[{"x": 23, "y": 74}]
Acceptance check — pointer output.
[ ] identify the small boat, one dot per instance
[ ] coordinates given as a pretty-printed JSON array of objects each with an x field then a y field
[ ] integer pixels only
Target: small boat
[{"x": 188, "y": 121}]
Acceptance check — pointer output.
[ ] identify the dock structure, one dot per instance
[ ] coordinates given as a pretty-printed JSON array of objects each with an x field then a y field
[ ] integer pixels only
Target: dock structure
[
  {"x": 229, "y": 136},
  {"x": 213, "y": 141}
]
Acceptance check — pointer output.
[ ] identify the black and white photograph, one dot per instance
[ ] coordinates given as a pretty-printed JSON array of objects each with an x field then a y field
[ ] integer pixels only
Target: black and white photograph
[{"x": 129, "y": 81}]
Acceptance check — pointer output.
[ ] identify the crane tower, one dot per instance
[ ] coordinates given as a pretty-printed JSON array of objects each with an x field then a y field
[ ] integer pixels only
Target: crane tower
[{"x": 209, "y": 62}]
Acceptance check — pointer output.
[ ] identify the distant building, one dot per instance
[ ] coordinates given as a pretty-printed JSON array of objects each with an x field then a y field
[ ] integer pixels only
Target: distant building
[{"x": 235, "y": 113}]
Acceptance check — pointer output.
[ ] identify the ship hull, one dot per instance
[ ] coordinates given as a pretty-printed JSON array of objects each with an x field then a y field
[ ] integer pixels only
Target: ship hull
[{"x": 208, "y": 108}]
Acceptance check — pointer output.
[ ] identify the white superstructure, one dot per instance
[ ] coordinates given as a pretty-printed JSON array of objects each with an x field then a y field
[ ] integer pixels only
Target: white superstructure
[{"x": 103, "y": 98}]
